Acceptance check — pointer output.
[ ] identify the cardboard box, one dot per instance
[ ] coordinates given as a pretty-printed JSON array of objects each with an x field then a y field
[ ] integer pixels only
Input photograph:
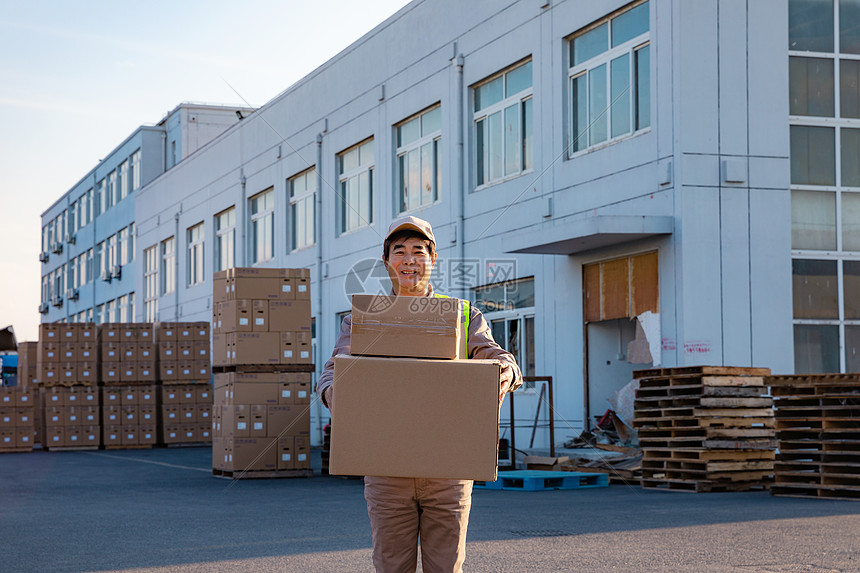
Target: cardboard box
[
  {"x": 55, "y": 436},
  {"x": 254, "y": 283},
  {"x": 128, "y": 352},
  {"x": 68, "y": 332},
  {"x": 302, "y": 392},
  {"x": 415, "y": 418},
  {"x": 164, "y": 332},
  {"x": 170, "y": 433},
  {"x": 72, "y": 396},
  {"x": 24, "y": 437},
  {"x": 201, "y": 370},
  {"x": 54, "y": 396},
  {"x": 145, "y": 334},
  {"x": 188, "y": 413},
  {"x": 255, "y": 348},
  {"x": 220, "y": 286},
  {"x": 24, "y": 417},
  {"x": 48, "y": 352},
  {"x": 185, "y": 331},
  {"x": 302, "y": 452},
  {"x": 201, "y": 350},
  {"x": 201, "y": 331},
  {"x": 49, "y": 332},
  {"x": 89, "y": 395},
  {"x": 146, "y": 371},
  {"x": 235, "y": 421},
  {"x": 54, "y": 416},
  {"x": 260, "y": 316},
  {"x": 187, "y": 394},
  {"x": 130, "y": 435},
  {"x": 204, "y": 432},
  {"x": 288, "y": 348},
  {"x": 147, "y": 434},
  {"x": 146, "y": 352},
  {"x": 417, "y": 327},
  {"x": 111, "y": 395},
  {"x": 185, "y": 370},
  {"x": 111, "y": 372},
  {"x": 49, "y": 373},
  {"x": 235, "y": 316},
  {"x": 253, "y": 454},
  {"x": 287, "y": 290},
  {"x": 127, "y": 332},
  {"x": 288, "y": 420},
  {"x": 167, "y": 351},
  {"x": 257, "y": 420},
  {"x": 303, "y": 287},
  {"x": 129, "y": 396},
  {"x": 286, "y": 461},
  {"x": 90, "y": 415},
  {"x": 168, "y": 371},
  {"x": 170, "y": 394},
  {"x": 130, "y": 415},
  {"x": 87, "y": 352},
  {"x": 7, "y": 396},
  {"x": 146, "y": 415},
  {"x": 170, "y": 414},
  {"x": 303, "y": 348},
  {"x": 220, "y": 350},
  {"x": 7, "y": 418},
  {"x": 111, "y": 352},
  {"x": 146, "y": 395},
  {"x": 8, "y": 438},
  {"x": 203, "y": 394},
  {"x": 289, "y": 315},
  {"x": 72, "y": 416},
  {"x": 128, "y": 372},
  {"x": 241, "y": 390},
  {"x": 74, "y": 436},
  {"x": 87, "y": 373},
  {"x": 112, "y": 415},
  {"x": 87, "y": 332},
  {"x": 185, "y": 351},
  {"x": 68, "y": 352},
  {"x": 23, "y": 397},
  {"x": 112, "y": 435},
  {"x": 108, "y": 332},
  {"x": 69, "y": 372}
]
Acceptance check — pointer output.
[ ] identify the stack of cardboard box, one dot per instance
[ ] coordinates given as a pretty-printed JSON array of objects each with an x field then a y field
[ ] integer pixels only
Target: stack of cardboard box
[
  {"x": 261, "y": 316},
  {"x": 16, "y": 419},
  {"x": 128, "y": 376},
  {"x": 262, "y": 422},
  {"x": 68, "y": 394},
  {"x": 263, "y": 362},
  {"x": 406, "y": 401},
  {"x": 28, "y": 380},
  {"x": 184, "y": 395}
]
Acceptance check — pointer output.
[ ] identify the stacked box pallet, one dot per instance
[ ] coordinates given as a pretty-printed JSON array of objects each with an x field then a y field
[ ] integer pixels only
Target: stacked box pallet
[
  {"x": 28, "y": 380},
  {"x": 127, "y": 375},
  {"x": 68, "y": 394},
  {"x": 263, "y": 363},
  {"x": 184, "y": 397},
  {"x": 818, "y": 434},
  {"x": 705, "y": 428},
  {"x": 16, "y": 419}
]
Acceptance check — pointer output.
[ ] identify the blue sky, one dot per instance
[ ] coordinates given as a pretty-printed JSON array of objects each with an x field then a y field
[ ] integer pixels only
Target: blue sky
[{"x": 76, "y": 78}]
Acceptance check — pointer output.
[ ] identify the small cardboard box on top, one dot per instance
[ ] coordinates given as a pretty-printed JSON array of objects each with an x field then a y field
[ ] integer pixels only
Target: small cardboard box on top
[
  {"x": 419, "y": 327},
  {"x": 415, "y": 418}
]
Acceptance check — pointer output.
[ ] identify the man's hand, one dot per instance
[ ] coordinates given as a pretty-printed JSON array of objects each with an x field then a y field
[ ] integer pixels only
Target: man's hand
[
  {"x": 506, "y": 378},
  {"x": 327, "y": 394}
]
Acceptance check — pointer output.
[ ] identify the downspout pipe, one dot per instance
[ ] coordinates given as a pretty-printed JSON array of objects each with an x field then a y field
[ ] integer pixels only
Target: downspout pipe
[
  {"x": 244, "y": 220},
  {"x": 176, "y": 266},
  {"x": 318, "y": 237},
  {"x": 461, "y": 176}
]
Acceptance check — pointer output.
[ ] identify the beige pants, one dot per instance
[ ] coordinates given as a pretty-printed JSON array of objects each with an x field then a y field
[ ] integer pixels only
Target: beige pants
[{"x": 401, "y": 509}]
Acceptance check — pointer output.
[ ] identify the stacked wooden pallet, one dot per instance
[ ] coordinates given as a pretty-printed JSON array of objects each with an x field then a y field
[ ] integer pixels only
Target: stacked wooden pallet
[
  {"x": 705, "y": 428},
  {"x": 818, "y": 433}
]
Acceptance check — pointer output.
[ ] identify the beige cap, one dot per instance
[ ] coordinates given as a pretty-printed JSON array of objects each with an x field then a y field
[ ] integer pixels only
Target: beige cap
[{"x": 412, "y": 224}]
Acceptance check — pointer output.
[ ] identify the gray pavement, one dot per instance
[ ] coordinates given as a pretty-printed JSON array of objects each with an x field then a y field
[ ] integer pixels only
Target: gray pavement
[{"x": 161, "y": 510}]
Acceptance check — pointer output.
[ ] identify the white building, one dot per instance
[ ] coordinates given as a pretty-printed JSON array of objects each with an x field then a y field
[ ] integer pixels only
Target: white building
[{"x": 582, "y": 163}]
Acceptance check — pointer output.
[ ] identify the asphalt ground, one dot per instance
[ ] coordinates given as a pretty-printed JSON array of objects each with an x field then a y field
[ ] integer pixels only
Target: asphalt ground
[{"x": 161, "y": 510}]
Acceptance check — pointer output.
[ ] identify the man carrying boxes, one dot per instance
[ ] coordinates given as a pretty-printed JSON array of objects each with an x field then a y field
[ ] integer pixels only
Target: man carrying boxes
[{"x": 402, "y": 509}]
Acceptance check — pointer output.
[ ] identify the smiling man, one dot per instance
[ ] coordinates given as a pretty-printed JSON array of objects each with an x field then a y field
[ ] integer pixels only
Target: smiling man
[{"x": 402, "y": 510}]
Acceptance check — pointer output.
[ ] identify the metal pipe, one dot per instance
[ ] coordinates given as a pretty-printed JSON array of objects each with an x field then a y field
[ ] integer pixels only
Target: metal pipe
[
  {"x": 176, "y": 266},
  {"x": 318, "y": 235},
  {"x": 461, "y": 184}
]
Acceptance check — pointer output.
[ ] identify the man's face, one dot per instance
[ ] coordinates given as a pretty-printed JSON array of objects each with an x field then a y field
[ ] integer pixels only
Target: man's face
[{"x": 409, "y": 266}]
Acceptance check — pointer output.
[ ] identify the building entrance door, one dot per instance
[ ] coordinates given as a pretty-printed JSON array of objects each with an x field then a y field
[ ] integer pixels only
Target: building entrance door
[{"x": 614, "y": 293}]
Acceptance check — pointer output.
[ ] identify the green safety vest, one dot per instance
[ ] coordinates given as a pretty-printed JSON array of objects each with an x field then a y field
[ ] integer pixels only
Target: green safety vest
[{"x": 464, "y": 304}]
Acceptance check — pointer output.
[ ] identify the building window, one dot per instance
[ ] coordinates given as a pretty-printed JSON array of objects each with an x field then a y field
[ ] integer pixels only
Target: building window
[
  {"x": 168, "y": 269},
  {"x": 195, "y": 270},
  {"x": 101, "y": 261},
  {"x": 122, "y": 181},
  {"x": 418, "y": 166},
  {"x": 90, "y": 270},
  {"x": 130, "y": 242},
  {"x": 355, "y": 169},
  {"x": 302, "y": 208},
  {"x": 509, "y": 308},
  {"x": 134, "y": 171},
  {"x": 88, "y": 208},
  {"x": 150, "y": 284},
  {"x": 100, "y": 314},
  {"x": 225, "y": 239},
  {"x": 46, "y": 288},
  {"x": 263, "y": 226},
  {"x": 122, "y": 240},
  {"x": 122, "y": 309},
  {"x": 111, "y": 253},
  {"x": 110, "y": 311},
  {"x": 825, "y": 185},
  {"x": 110, "y": 190},
  {"x": 503, "y": 124},
  {"x": 101, "y": 198},
  {"x": 609, "y": 73},
  {"x": 131, "y": 307},
  {"x": 73, "y": 217}
]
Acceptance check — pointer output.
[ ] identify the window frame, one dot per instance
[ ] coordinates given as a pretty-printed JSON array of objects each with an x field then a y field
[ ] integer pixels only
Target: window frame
[
  {"x": 167, "y": 271},
  {"x": 401, "y": 154},
  {"x": 605, "y": 58},
  {"x": 303, "y": 197},
  {"x": 484, "y": 114},
  {"x": 222, "y": 235},
  {"x": 150, "y": 283},
  {"x": 195, "y": 268},
  {"x": 264, "y": 219},
  {"x": 344, "y": 177}
]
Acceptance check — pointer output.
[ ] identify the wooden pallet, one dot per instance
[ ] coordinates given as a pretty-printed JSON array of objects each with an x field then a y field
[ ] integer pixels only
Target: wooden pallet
[
  {"x": 694, "y": 486},
  {"x": 263, "y": 368},
  {"x": 20, "y": 450},
  {"x": 186, "y": 445},
  {"x": 814, "y": 491},
  {"x": 261, "y": 474},
  {"x": 128, "y": 447},
  {"x": 708, "y": 370},
  {"x": 70, "y": 448}
]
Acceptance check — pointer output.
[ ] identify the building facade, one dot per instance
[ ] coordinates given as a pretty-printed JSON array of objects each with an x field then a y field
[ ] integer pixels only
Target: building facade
[
  {"x": 676, "y": 175},
  {"x": 88, "y": 250}
]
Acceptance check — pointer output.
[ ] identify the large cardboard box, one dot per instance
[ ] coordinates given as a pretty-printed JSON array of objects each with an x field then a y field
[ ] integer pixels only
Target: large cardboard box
[
  {"x": 416, "y": 418},
  {"x": 260, "y": 283},
  {"x": 289, "y": 315},
  {"x": 253, "y": 454},
  {"x": 405, "y": 326},
  {"x": 247, "y": 388},
  {"x": 235, "y": 316},
  {"x": 255, "y": 348}
]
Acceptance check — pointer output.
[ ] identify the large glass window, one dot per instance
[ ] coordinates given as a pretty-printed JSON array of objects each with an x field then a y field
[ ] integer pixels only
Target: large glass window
[
  {"x": 419, "y": 169},
  {"x": 610, "y": 69},
  {"x": 503, "y": 124},
  {"x": 168, "y": 268},
  {"x": 355, "y": 169},
  {"x": 825, "y": 182},
  {"x": 111, "y": 196},
  {"x": 122, "y": 309},
  {"x": 111, "y": 253},
  {"x": 122, "y": 181},
  {"x": 150, "y": 284},
  {"x": 263, "y": 226},
  {"x": 123, "y": 245},
  {"x": 101, "y": 198},
  {"x": 88, "y": 207},
  {"x": 509, "y": 308},
  {"x": 195, "y": 268},
  {"x": 225, "y": 239},
  {"x": 101, "y": 261},
  {"x": 302, "y": 208}
]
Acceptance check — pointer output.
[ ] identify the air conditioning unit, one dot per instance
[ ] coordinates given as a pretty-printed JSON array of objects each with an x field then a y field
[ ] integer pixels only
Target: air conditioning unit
[
  {"x": 72, "y": 294},
  {"x": 57, "y": 247},
  {"x": 116, "y": 271},
  {"x": 57, "y": 301},
  {"x": 70, "y": 238},
  {"x": 43, "y": 308},
  {"x": 106, "y": 276},
  {"x": 44, "y": 256}
]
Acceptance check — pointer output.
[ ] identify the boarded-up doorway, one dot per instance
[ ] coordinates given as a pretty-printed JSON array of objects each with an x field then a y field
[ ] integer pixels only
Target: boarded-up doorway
[{"x": 615, "y": 292}]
